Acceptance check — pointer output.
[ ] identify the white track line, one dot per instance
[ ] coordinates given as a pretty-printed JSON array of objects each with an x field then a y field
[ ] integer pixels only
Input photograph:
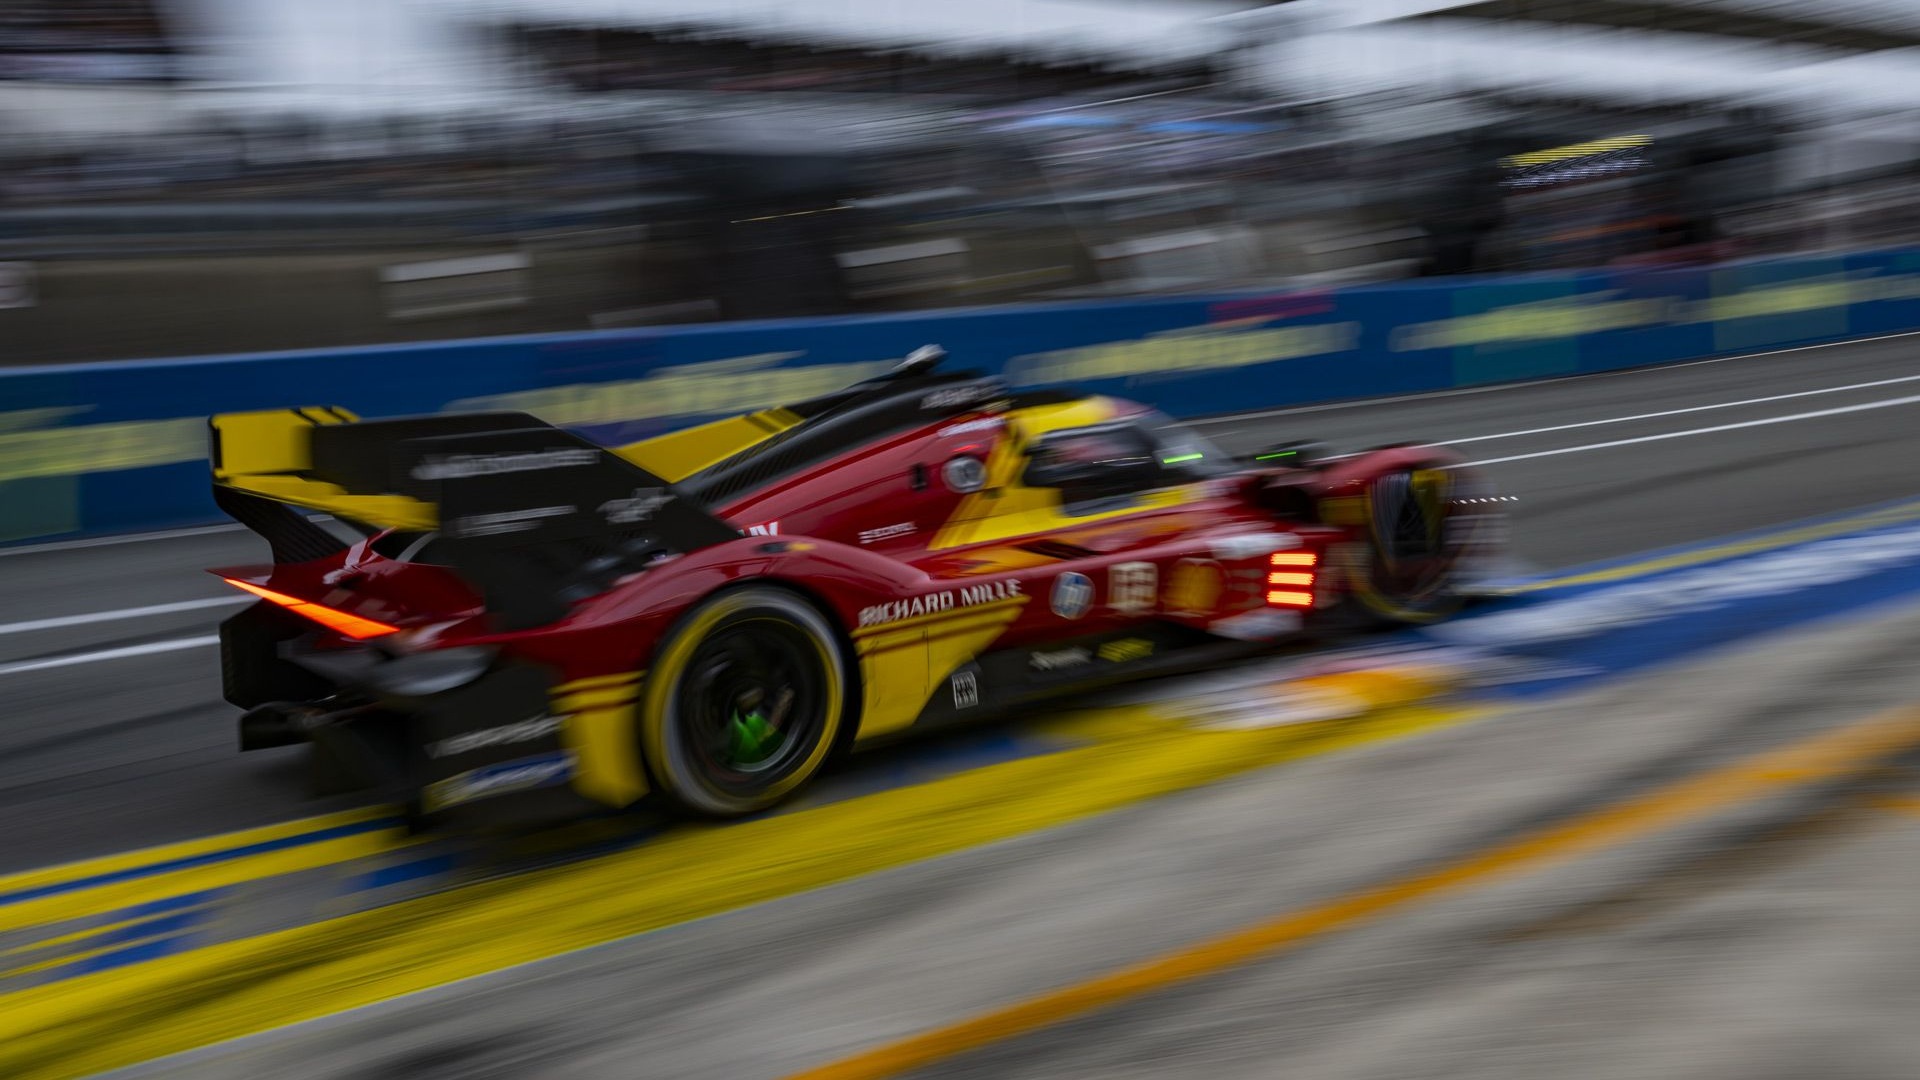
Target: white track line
[
  {"x": 59, "y": 621},
  {"x": 1789, "y": 418},
  {"x": 109, "y": 541},
  {"x": 1650, "y": 369},
  {"x": 1677, "y": 412},
  {"x": 20, "y": 667}
]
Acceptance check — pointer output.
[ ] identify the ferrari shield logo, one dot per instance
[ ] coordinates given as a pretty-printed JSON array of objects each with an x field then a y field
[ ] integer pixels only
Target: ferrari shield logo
[{"x": 1072, "y": 595}]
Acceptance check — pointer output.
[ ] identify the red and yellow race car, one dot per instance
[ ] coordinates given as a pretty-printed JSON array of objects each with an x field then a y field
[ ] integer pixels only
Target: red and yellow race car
[{"x": 526, "y": 623}]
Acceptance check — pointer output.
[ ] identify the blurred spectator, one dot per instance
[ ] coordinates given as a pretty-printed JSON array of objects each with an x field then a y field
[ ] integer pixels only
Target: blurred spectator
[{"x": 84, "y": 41}]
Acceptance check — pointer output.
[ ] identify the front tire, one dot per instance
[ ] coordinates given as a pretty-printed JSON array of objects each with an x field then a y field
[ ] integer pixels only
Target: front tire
[
  {"x": 745, "y": 701},
  {"x": 1409, "y": 570}
]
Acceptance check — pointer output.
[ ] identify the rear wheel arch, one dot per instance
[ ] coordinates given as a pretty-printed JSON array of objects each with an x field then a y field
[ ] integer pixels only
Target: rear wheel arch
[{"x": 672, "y": 712}]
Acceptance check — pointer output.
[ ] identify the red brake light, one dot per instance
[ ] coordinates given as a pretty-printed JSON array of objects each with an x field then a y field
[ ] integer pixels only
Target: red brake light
[
  {"x": 352, "y": 626},
  {"x": 1301, "y": 577}
]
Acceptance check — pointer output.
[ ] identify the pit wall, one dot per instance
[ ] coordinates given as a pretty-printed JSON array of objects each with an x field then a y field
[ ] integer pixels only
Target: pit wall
[{"x": 113, "y": 447}]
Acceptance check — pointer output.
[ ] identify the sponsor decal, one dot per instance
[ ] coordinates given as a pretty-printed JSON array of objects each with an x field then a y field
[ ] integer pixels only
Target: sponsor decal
[
  {"x": 463, "y": 466},
  {"x": 888, "y": 532},
  {"x": 1169, "y": 353},
  {"x": 1060, "y": 659},
  {"x": 765, "y": 528},
  {"x": 1195, "y": 587},
  {"x": 969, "y": 427},
  {"x": 506, "y": 521},
  {"x": 966, "y": 596},
  {"x": 637, "y": 508},
  {"x": 520, "y": 774},
  {"x": 966, "y": 688},
  {"x": 467, "y": 742},
  {"x": 1132, "y": 587},
  {"x": 1126, "y": 650},
  {"x": 1253, "y": 545},
  {"x": 954, "y": 396},
  {"x": 965, "y": 474},
  {"x": 1072, "y": 595}
]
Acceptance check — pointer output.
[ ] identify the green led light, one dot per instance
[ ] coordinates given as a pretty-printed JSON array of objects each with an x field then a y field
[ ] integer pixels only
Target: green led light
[
  {"x": 1275, "y": 454},
  {"x": 1178, "y": 458}
]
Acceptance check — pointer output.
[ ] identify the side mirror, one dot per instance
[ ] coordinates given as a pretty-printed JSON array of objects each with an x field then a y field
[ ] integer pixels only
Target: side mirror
[{"x": 1297, "y": 454}]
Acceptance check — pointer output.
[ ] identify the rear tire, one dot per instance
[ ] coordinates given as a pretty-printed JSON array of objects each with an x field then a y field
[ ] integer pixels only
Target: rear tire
[{"x": 745, "y": 701}]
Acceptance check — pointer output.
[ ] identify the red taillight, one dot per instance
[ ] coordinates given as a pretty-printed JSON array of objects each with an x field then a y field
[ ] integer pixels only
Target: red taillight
[
  {"x": 352, "y": 626},
  {"x": 1299, "y": 573}
]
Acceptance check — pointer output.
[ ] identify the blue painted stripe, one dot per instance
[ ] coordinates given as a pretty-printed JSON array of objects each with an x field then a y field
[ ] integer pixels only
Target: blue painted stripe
[
  {"x": 159, "y": 925},
  {"x": 1561, "y": 639},
  {"x": 412, "y": 870},
  {"x": 1726, "y": 540},
  {"x": 171, "y": 903},
  {"x": 132, "y": 954},
  {"x": 208, "y": 858}
]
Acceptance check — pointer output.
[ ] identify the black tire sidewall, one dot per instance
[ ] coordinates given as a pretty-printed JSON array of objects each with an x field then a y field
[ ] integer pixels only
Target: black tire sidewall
[{"x": 669, "y": 760}]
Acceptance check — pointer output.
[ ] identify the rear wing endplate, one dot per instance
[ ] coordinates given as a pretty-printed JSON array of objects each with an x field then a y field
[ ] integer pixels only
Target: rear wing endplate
[{"x": 527, "y": 512}]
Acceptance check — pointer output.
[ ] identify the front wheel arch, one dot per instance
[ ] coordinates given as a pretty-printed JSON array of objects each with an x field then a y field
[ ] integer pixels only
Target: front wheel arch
[{"x": 1406, "y": 570}]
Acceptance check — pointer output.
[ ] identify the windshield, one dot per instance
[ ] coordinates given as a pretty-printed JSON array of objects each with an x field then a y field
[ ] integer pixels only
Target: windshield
[{"x": 1182, "y": 449}]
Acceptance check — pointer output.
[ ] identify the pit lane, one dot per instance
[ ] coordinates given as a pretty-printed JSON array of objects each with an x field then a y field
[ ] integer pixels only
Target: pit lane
[{"x": 115, "y": 753}]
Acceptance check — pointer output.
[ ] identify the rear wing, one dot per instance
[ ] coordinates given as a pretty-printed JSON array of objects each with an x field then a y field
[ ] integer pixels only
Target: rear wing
[{"x": 530, "y": 514}]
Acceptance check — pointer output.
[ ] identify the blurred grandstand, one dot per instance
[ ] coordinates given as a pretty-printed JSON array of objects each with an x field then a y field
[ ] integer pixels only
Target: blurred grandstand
[{"x": 183, "y": 176}]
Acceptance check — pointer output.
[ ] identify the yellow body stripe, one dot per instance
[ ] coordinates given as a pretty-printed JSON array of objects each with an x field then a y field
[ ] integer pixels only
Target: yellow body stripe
[
  {"x": 606, "y": 697},
  {"x": 679, "y": 454},
  {"x": 606, "y": 748},
  {"x": 601, "y": 730},
  {"x": 902, "y": 667},
  {"x": 622, "y": 678},
  {"x": 261, "y": 452},
  {"x": 973, "y": 521}
]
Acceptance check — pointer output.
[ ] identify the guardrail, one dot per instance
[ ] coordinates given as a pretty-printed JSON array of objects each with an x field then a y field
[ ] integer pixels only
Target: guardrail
[{"x": 119, "y": 446}]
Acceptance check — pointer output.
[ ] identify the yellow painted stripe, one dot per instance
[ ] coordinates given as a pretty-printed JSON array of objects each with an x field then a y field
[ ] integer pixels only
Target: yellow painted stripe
[
  {"x": 1825, "y": 756},
  {"x": 1887, "y": 516},
  {"x": 165, "y": 853},
  {"x": 58, "y": 957},
  {"x": 223, "y": 991},
  {"x": 101, "y": 899}
]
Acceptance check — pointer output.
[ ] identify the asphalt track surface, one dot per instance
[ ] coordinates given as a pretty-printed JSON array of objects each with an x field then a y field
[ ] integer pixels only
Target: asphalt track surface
[{"x": 114, "y": 738}]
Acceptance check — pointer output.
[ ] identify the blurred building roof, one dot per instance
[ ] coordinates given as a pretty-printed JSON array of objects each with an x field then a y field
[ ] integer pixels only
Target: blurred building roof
[
  {"x": 1121, "y": 32},
  {"x": 1831, "y": 59}
]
